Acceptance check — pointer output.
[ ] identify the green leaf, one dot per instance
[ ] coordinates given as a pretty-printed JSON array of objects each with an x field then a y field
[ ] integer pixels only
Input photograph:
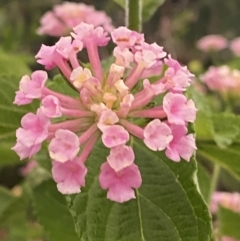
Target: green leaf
[
  {"x": 203, "y": 125},
  {"x": 228, "y": 222},
  {"x": 52, "y": 212},
  {"x": 149, "y": 7},
  {"x": 11, "y": 63},
  {"x": 228, "y": 158},
  {"x": 6, "y": 199},
  {"x": 203, "y": 180},
  {"x": 226, "y": 129},
  {"x": 167, "y": 205}
]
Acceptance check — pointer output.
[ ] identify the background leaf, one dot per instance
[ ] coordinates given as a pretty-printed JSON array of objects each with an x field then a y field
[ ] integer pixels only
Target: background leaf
[
  {"x": 228, "y": 222},
  {"x": 149, "y": 7},
  {"x": 228, "y": 158},
  {"x": 167, "y": 205}
]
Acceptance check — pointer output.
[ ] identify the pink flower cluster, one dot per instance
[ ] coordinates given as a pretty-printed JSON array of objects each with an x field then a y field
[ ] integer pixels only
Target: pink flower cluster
[
  {"x": 235, "y": 46},
  {"x": 222, "y": 79},
  {"x": 122, "y": 103},
  {"x": 67, "y": 15},
  {"x": 225, "y": 199},
  {"x": 212, "y": 43}
]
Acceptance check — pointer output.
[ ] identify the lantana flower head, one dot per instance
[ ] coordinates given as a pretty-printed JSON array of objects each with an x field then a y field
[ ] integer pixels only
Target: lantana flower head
[
  {"x": 67, "y": 15},
  {"x": 235, "y": 46},
  {"x": 222, "y": 79},
  {"x": 113, "y": 106},
  {"x": 213, "y": 42}
]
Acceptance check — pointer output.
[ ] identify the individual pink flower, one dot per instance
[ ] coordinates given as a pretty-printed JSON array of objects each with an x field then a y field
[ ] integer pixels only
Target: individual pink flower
[
  {"x": 26, "y": 151},
  {"x": 235, "y": 46},
  {"x": 69, "y": 176},
  {"x": 157, "y": 135},
  {"x": 125, "y": 38},
  {"x": 181, "y": 145},
  {"x": 120, "y": 184},
  {"x": 64, "y": 146},
  {"x": 31, "y": 88},
  {"x": 30, "y": 136},
  {"x": 67, "y": 15},
  {"x": 114, "y": 135},
  {"x": 120, "y": 157},
  {"x": 51, "y": 106},
  {"x": 212, "y": 43},
  {"x": 34, "y": 129},
  {"x": 178, "y": 109}
]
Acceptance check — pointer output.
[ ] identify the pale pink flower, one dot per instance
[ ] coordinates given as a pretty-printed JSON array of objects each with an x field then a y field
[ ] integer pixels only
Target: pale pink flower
[
  {"x": 33, "y": 132},
  {"x": 114, "y": 135},
  {"x": 64, "y": 146},
  {"x": 181, "y": 145},
  {"x": 51, "y": 25},
  {"x": 67, "y": 15},
  {"x": 69, "y": 176},
  {"x": 178, "y": 109},
  {"x": 225, "y": 199},
  {"x": 212, "y": 43},
  {"x": 86, "y": 32},
  {"x": 120, "y": 157},
  {"x": 235, "y": 46},
  {"x": 157, "y": 135},
  {"x": 79, "y": 76},
  {"x": 30, "y": 88},
  {"x": 51, "y": 106},
  {"x": 221, "y": 78},
  {"x": 46, "y": 57},
  {"x": 34, "y": 129},
  {"x": 30, "y": 166},
  {"x": 120, "y": 184},
  {"x": 26, "y": 151},
  {"x": 125, "y": 38},
  {"x": 226, "y": 238}
]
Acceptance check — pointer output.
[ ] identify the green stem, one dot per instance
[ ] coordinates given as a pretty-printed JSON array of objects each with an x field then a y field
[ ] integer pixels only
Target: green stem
[
  {"x": 214, "y": 181},
  {"x": 134, "y": 14}
]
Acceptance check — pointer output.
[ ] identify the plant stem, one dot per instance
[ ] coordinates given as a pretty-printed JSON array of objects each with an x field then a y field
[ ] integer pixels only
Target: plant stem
[
  {"x": 134, "y": 14},
  {"x": 214, "y": 181}
]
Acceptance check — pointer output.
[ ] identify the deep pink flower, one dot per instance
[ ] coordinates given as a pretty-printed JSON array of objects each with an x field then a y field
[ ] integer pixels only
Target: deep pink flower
[
  {"x": 178, "y": 109},
  {"x": 26, "y": 151},
  {"x": 181, "y": 145},
  {"x": 120, "y": 184},
  {"x": 69, "y": 176},
  {"x": 64, "y": 146},
  {"x": 212, "y": 42},
  {"x": 120, "y": 157}
]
